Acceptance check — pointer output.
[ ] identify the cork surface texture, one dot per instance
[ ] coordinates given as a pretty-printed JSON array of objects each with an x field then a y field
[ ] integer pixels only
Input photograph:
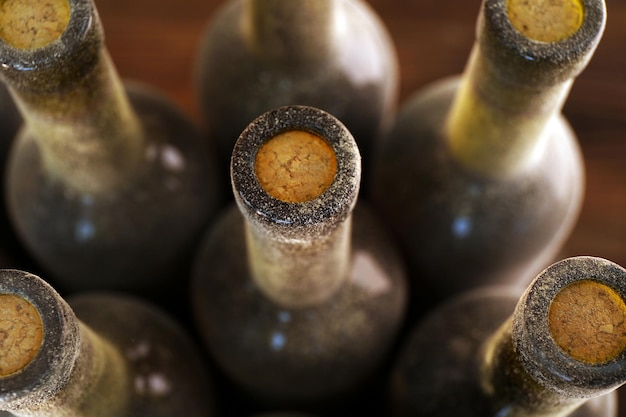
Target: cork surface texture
[
  {"x": 587, "y": 321},
  {"x": 546, "y": 20},
  {"x": 296, "y": 166},
  {"x": 21, "y": 333},
  {"x": 32, "y": 24}
]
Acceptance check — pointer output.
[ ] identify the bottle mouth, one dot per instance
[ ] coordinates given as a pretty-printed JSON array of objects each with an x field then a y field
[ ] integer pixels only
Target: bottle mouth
[
  {"x": 546, "y": 20},
  {"x": 540, "y": 42},
  {"x": 569, "y": 327},
  {"x": 48, "y": 45},
  {"x": 21, "y": 328},
  {"x": 296, "y": 168},
  {"x": 587, "y": 321},
  {"x": 33, "y": 24},
  {"x": 40, "y": 336}
]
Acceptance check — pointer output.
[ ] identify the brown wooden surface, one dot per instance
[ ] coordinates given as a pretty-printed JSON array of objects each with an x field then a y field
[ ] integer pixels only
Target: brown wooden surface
[{"x": 156, "y": 41}]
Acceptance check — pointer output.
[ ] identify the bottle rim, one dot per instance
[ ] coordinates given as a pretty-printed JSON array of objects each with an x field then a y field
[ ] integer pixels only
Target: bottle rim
[
  {"x": 53, "y": 364},
  {"x": 72, "y": 55},
  {"x": 540, "y": 354},
  {"x": 323, "y": 213},
  {"x": 527, "y": 60}
]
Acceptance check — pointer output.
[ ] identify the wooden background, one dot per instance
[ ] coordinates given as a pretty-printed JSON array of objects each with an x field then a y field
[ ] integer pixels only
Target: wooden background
[{"x": 156, "y": 41}]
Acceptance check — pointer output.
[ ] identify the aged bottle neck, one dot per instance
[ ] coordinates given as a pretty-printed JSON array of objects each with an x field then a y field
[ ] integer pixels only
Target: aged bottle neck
[
  {"x": 89, "y": 136},
  {"x": 517, "y": 78},
  {"x": 52, "y": 364},
  {"x": 298, "y": 272},
  {"x": 496, "y": 128},
  {"x": 511, "y": 390},
  {"x": 305, "y": 264},
  {"x": 295, "y": 172},
  {"x": 73, "y": 102},
  {"x": 291, "y": 33},
  {"x": 97, "y": 387},
  {"x": 563, "y": 345}
]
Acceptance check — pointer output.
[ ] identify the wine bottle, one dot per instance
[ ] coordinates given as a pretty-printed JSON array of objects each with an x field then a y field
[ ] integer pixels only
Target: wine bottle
[
  {"x": 558, "y": 351},
  {"x": 257, "y": 55},
  {"x": 481, "y": 177},
  {"x": 108, "y": 187},
  {"x": 298, "y": 299},
  {"x": 101, "y": 355}
]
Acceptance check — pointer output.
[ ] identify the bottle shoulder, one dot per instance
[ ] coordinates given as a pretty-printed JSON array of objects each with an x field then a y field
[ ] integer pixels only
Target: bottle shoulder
[
  {"x": 419, "y": 133},
  {"x": 454, "y": 222},
  {"x": 175, "y": 168},
  {"x": 377, "y": 268},
  {"x": 69, "y": 231},
  {"x": 294, "y": 354},
  {"x": 167, "y": 373}
]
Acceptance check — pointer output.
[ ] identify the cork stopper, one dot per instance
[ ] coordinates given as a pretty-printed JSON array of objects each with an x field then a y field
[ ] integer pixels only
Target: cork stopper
[
  {"x": 587, "y": 320},
  {"x": 295, "y": 166},
  {"x": 21, "y": 333},
  {"x": 546, "y": 20},
  {"x": 32, "y": 24}
]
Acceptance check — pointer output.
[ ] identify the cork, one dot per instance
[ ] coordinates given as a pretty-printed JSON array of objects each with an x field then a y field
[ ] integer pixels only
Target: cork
[
  {"x": 33, "y": 24},
  {"x": 587, "y": 321},
  {"x": 295, "y": 166},
  {"x": 21, "y": 333},
  {"x": 546, "y": 20}
]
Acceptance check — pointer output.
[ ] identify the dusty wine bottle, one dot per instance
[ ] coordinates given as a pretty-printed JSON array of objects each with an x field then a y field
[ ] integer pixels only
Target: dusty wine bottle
[
  {"x": 562, "y": 352},
  {"x": 107, "y": 187},
  {"x": 106, "y": 355},
  {"x": 297, "y": 299},
  {"x": 336, "y": 55},
  {"x": 481, "y": 177}
]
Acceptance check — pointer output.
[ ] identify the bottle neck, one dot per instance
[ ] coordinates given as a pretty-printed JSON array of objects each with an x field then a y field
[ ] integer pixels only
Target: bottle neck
[
  {"x": 518, "y": 76},
  {"x": 296, "y": 172},
  {"x": 88, "y": 134},
  {"x": 70, "y": 96},
  {"x": 98, "y": 385},
  {"x": 291, "y": 33},
  {"x": 301, "y": 271},
  {"x": 510, "y": 387},
  {"x": 497, "y": 128}
]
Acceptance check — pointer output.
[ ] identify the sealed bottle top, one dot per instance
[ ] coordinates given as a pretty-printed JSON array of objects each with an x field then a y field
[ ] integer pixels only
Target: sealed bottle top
[
  {"x": 22, "y": 330},
  {"x": 33, "y": 24},
  {"x": 296, "y": 166}
]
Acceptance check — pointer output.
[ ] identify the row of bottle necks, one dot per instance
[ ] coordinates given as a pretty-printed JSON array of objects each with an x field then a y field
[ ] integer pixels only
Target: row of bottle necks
[{"x": 296, "y": 294}]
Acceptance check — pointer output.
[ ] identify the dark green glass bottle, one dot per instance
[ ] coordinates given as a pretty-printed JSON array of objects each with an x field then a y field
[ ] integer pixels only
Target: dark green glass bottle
[
  {"x": 481, "y": 177},
  {"x": 558, "y": 351},
  {"x": 298, "y": 299},
  {"x": 108, "y": 187},
  {"x": 101, "y": 355},
  {"x": 257, "y": 55}
]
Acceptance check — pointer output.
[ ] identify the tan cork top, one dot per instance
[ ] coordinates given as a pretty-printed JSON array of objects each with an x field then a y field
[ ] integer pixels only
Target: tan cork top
[
  {"x": 546, "y": 20},
  {"x": 295, "y": 166},
  {"x": 21, "y": 333},
  {"x": 588, "y": 321},
  {"x": 32, "y": 24}
]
